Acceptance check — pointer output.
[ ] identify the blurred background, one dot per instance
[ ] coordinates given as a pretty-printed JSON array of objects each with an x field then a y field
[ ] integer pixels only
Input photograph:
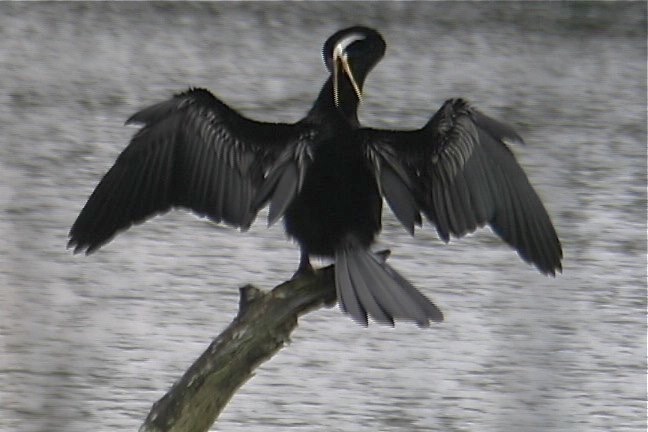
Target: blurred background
[{"x": 89, "y": 343}]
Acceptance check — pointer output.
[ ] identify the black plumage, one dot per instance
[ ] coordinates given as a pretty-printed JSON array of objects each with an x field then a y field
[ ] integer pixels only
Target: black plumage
[
  {"x": 327, "y": 177},
  {"x": 459, "y": 172}
]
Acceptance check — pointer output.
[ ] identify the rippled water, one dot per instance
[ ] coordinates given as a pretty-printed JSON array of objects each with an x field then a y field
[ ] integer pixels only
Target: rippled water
[{"x": 92, "y": 342}]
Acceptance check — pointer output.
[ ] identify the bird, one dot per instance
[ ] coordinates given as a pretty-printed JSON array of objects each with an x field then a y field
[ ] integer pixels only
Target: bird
[{"x": 327, "y": 176}]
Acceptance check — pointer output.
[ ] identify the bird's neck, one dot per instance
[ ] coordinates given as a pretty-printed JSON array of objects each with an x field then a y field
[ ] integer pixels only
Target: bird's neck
[{"x": 346, "y": 110}]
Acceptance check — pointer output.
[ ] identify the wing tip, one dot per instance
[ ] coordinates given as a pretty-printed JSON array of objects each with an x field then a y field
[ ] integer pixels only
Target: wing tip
[
  {"x": 552, "y": 270},
  {"x": 81, "y": 247}
]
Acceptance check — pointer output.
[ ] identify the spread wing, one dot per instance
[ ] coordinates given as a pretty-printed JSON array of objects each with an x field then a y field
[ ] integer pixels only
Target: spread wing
[
  {"x": 193, "y": 152},
  {"x": 459, "y": 172}
]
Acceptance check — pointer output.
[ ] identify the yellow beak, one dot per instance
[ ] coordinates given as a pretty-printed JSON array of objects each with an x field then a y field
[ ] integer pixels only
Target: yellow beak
[{"x": 341, "y": 65}]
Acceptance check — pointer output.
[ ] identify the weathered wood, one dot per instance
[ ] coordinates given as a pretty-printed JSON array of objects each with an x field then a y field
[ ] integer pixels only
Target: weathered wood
[{"x": 263, "y": 325}]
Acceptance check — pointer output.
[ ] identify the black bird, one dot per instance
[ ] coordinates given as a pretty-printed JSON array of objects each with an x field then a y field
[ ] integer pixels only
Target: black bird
[
  {"x": 195, "y": 152},
  {"x": 328, "y": 177}
]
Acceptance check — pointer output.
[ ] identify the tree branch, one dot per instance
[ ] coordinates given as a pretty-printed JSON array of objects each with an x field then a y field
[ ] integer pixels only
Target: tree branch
[{"x": 263, "y": 325}]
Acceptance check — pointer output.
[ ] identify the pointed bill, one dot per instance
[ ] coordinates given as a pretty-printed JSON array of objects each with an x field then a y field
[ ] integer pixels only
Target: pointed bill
[{"x": 341, "y": 66}]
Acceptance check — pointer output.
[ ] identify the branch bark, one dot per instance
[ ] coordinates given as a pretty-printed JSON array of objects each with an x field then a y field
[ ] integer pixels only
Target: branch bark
[{"x": 264, "y": 323}]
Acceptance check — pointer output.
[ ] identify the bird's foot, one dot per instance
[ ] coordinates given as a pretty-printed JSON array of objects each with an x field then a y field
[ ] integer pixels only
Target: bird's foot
[{"x": 303, "y": 270}]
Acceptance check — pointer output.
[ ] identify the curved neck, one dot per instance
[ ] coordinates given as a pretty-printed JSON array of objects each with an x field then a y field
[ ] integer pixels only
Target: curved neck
[{"x": 324, "y": 107}]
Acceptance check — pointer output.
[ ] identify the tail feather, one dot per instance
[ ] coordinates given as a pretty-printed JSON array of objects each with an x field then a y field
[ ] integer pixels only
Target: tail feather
[
  {"x": 347, "y": 298},
  {"x": 365, "y": 284},
  {"x": 368, "y": 268},
  {"x": 362, "y": 279},
  {"x": 432, "y": 311}
]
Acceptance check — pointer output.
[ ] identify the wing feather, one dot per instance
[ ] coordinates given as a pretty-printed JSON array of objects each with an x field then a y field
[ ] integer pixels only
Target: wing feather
[
  {"x": 192, "y": 152},
  {"x": 400, "y": 199},
  {"x": 459, "y": 172},
  {"x": 285, "y": 190}
]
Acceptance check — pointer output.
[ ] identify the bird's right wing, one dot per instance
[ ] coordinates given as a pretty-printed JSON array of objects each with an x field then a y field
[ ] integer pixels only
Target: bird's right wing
[
  {"x": 194, "y": 152},
  {"x": 459, "y": 172}
]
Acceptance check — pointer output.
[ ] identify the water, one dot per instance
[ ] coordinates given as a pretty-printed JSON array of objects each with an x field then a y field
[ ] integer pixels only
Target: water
[{"x": 92, "y": 342}]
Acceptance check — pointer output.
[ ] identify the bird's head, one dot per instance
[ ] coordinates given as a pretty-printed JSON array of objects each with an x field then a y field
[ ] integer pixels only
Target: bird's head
[{"x": 350, "y": 54}]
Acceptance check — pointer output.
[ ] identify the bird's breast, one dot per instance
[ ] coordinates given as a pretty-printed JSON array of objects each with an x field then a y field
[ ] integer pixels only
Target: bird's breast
[{"x": 339, "y": 197}]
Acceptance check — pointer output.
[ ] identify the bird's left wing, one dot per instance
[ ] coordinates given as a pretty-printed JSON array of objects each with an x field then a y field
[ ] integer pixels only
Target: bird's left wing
[
  {"x": 193, "y": 152},
  {"x": 459, "y": 172}
]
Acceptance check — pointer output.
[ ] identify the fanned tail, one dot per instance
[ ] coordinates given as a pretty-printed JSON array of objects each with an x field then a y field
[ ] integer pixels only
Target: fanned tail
[{"x": 368, "y": 286}]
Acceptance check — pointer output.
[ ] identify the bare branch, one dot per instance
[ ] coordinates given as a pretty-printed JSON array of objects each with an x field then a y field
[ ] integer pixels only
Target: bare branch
[{"x": 263, "y": 325}]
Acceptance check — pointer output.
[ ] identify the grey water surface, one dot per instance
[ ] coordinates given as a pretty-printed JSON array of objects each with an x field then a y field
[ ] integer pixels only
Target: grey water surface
[{"x": 89, "y": 343}]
